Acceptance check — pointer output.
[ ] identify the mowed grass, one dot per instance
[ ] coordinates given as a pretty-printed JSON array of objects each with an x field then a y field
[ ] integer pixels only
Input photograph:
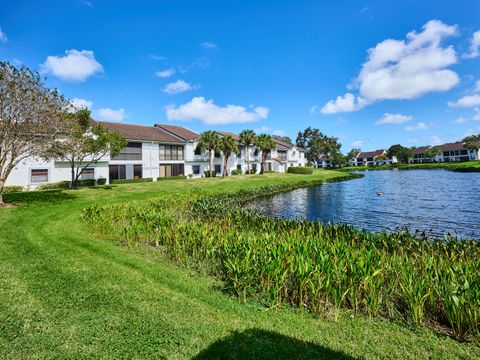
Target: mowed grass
[{"x": 66, "y": 292}]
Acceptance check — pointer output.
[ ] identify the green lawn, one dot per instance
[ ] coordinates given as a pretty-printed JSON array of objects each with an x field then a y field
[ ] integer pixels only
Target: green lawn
[
  {"x": 473, "y": 166},
  {"x": 67, "y": 292}
]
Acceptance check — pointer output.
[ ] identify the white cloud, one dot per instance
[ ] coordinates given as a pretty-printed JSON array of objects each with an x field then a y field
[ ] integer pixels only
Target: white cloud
[
  {"x": 466, "y": 101},
  {"x": 477, "y": 114},
  {"x": 461, "y": 120},
  {"x": 346, "y": 103},
  {"x": 417, "y": 127},
  {"x": 313, "y": 109},
  {"x": 477, "y": 86},
  {"x": 165, "y": 73},
  {"x": 210, "y": 113},
  {"x": 3, "y": 36},
  {"x": 157, "y": 57},
  {"x": 78, "y": 103},
  {"x": 357, "y": 144},
  {"x": 108, "y": 114},
  {"x": 76, "y": 65},
  {"x": 388, "y": 118},
  {"x": 427, "y": 140},
  {"x": 266, "y": 130},
  {"x": 474, "y": 50},
  {"x": 405, "y": 69},
  {"x": 177, "y": 87},
  {"x": 208, "y": 45}
]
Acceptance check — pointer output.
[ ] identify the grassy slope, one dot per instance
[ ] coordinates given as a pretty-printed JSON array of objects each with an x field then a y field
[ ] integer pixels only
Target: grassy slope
[
  {"x": 64, "y": 292},
  {"x": 473, "y": 165}
]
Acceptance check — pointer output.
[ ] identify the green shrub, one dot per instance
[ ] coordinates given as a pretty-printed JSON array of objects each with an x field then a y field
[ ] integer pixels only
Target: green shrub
[
  {"x": 237, "y": 172},
  {"x": 178, "y": 177},
  {"x": 130, "y": 181},
  {"x": 12, "y": 189},
  {"x": 269, "y": 172},
  {"x": 101, "y": 181},
  {"x": 252, "y": 171},
  {"x": 207, "y": 173},
  {"x": 54, "y": 185},
  {"x": 300, "y": 170},
  {"x": 86, "y": 182}
]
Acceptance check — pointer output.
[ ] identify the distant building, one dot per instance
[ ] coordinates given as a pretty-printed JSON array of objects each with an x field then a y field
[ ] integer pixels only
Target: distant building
[
  {"x": 372, "y": 158},
  {"x": 451, "y": 152}
]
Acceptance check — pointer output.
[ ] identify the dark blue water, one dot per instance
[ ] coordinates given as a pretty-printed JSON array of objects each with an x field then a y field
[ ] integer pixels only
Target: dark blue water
[{"x": 435, "y": 201}]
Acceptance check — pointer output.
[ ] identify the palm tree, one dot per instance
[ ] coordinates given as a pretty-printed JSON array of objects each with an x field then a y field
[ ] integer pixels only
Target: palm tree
[
  {"x": 248, "y": 137},
  {"x": 227, "y": 146},
  {"x": 209, "y": 140},
  {"x": 266, "y": 144}
]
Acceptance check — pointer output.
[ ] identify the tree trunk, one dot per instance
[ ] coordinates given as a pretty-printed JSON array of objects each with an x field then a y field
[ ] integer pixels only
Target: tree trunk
[
  {"x": 2, "y": 183},
  {"x": 262, "y": 165},
  {"x": 211, "y": 163},
  {"x": 225, "y": 160},
  {"x": 73, "y": 183},
  {"x": 248, "y": 159}
]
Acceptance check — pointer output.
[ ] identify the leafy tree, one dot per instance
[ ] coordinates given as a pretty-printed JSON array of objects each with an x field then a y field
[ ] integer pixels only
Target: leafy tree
[
  {"x": 248, "y": 137},
  {"x": 227, "y": 146},
  {"x": 210, "y": 141},
  {"x": 30, "y": 117},
  {"x": 317, "y": 144},
  {"x": 84, "y": 143},
  {"x": 433, "y": 151},
  {"x": 352, "y": 153},
  {"x": 266, "y": 144},
  {"x": 472, "y": 142},
  {"x": 285, "y": 139},
  {"x": 338, "y": 160},
  {"x": 401, "y": 152}
]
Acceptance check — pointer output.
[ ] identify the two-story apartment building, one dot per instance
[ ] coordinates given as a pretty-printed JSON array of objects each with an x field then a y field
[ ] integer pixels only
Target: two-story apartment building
[
  {"x": 155, "y": 152},
  {"x": 372, "y": 158},
  {"x": 450, "y": 152}
]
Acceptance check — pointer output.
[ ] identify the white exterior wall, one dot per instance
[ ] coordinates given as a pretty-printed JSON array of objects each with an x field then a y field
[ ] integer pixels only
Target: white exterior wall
[{"x": 57, "y": 171}]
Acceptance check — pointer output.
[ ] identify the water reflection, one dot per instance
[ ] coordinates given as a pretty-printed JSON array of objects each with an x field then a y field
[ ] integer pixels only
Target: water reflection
[{"x": 435, "y": 201}]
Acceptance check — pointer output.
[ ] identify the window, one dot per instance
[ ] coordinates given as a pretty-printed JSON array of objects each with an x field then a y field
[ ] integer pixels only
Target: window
[
  {"x": 255, "y": 152},
  {"x": 217, "y": 154},
  {"x": 218, "y": 169},
  {"x": 88, "y": 173},
  {"x": 196, "y": 169},
  {"x": 239, "y": 167},
  {"x": 171, "y": 152},
  {"x": 293, "y": 153},
  {"x": 254, "y": 167},
  {"x": 133, "y": 151},
  {"x": 167, "y": 170},
  {"x": 137, "y": 171},
  {"x": 117, "y": 172},
  {"x": 39, "y": 175},
  {"x": 198, "y": 150},
  {"x": 282, "y": 155},
  {"x": 239, "y": 151}
]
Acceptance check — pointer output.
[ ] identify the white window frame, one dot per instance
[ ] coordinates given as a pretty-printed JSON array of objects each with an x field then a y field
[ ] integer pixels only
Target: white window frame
[{"x": 39, "y": 182}]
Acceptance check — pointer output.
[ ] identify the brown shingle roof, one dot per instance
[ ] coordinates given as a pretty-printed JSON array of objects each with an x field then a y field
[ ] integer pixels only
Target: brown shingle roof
[
  {"x": 233, "y": 135},
  {"x": 140, "y": 132},
  {"x": 369, "y": 154},
  {"x": 453, "y": 146},
  {"x": 420, "y": 150},
  {"x": 179, "y": 131},
  {"x": 283, "y": 143}
]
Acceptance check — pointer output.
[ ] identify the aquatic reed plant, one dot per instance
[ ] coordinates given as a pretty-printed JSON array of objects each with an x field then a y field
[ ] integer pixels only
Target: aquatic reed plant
[{"x": 324, "y": 269}]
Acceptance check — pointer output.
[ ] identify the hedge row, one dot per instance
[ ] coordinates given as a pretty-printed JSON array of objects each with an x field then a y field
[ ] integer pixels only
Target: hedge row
[
  {"x": 178, "y": 177},
  {"x": 129, "y": 181},
  {"x": 66, "y": 184},
  {"x": 300, "y": 170},
  {"x": 12, "y": 189}
]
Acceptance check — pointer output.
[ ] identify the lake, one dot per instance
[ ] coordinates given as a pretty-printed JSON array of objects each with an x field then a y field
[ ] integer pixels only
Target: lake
[{"x": 435, "y": 201}]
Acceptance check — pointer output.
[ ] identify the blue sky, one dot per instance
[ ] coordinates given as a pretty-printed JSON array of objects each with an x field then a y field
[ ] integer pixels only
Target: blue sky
[{"x": 372, "y": 73}]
